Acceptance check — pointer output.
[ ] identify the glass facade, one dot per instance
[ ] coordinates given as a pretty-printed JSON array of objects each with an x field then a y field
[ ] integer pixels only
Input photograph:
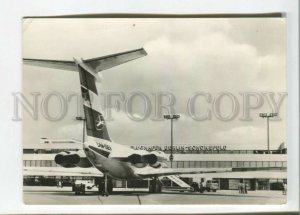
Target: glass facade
[
  {"x": 54, "y": 151},
  {"x": 225, "y": 152},
  {"x": 40, "y": 163},
  {"x": 182, "y": 164},
  {"x": 226, "y": 164}
]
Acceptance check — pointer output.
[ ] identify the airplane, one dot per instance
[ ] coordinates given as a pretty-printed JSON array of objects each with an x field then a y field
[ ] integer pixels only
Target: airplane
[{"x": 107, "y": 158}]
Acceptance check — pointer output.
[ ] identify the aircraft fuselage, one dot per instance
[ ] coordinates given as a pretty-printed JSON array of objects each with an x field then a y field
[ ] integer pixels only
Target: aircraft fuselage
[{"x": 99, "y": 152}]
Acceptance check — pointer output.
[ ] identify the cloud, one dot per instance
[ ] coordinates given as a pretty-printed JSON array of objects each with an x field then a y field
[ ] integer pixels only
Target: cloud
[
  {"x": 242, "y": 136},
  {"x": 246, "y": 137},
  {"x": 76, "y": 129},
  {"x": 184, "y": 56}
]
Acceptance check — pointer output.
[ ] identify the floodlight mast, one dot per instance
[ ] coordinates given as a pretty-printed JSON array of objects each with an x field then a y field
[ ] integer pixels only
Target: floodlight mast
[
  {"x": 266, "y": 115},
  {"x": 172, "y": 117}
]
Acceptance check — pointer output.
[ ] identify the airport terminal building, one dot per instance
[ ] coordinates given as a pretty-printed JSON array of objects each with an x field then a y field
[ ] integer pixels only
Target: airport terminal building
[{"x": 185, "y": 156}]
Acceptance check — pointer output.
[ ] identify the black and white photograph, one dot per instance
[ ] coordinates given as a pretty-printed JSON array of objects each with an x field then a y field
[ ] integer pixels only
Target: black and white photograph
[{"x": 154, "y": 111}]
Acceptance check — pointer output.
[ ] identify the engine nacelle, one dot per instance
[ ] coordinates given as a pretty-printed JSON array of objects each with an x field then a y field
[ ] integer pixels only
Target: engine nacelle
[
  {"x": 137, "y": 160},
  {"x": 143, "y": 160},
  {"x": 152, "y": 160},
  {"x": 71, "y": 159}
]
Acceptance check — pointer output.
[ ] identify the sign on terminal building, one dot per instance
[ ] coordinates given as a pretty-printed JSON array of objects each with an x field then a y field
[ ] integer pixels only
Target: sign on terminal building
[{"x": 181, "y": 148}]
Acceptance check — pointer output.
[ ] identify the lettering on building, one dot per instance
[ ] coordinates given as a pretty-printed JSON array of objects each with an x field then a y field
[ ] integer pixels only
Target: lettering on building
[{"x": 181, "y": 148}]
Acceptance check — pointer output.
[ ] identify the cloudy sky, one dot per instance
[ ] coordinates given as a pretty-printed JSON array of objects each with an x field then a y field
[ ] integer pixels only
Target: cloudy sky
[{"x": 185, "y": 56}]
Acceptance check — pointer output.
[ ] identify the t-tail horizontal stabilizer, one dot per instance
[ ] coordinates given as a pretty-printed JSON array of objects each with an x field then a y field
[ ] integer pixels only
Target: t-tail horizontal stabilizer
[{"x": 96, "y": 64}]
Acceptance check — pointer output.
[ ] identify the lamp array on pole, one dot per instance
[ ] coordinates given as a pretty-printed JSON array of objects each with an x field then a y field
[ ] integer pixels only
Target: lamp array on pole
[
  {"x": 172, "y": 117},
  {"x": 264, "y": 115},
  {"x": 268, "y": 115}
]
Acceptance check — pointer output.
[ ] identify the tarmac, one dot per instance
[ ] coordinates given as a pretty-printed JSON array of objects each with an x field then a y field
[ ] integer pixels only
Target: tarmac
[{"x": 40, "y": 195}]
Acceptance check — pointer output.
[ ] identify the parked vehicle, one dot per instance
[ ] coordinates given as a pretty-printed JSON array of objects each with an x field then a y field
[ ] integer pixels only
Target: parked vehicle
[
  {"x": 80, "y": 186},
  {"x": 212, "y": 185}
]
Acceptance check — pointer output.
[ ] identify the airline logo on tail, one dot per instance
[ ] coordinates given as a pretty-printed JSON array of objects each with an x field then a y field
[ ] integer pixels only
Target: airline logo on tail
[{"x": 99, "y": 123}]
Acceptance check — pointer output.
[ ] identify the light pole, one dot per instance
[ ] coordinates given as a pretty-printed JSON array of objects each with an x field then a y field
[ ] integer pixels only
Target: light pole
[
  {"x": 79, "y": 118},
  {"x": 172, "y": 117},
  {"x": 266, "y": 115}
]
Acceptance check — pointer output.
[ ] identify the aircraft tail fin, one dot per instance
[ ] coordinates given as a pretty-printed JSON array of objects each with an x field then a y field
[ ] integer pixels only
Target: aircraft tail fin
[
  {"x": 52, "y": 64},
  {"x": 97, "y": 64},
  {"x": 95, "y": 123},
  {"x": 109, "y": 61}
]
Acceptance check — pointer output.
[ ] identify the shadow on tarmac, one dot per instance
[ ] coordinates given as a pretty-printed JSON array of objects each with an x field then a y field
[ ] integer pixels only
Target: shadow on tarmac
[
  {"x": 141, "y": 193},
  {"x": 132, "y": 193}
]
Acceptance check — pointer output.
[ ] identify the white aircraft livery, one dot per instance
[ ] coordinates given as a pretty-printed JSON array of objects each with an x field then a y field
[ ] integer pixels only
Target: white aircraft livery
[{"x": 98, "y": 151}]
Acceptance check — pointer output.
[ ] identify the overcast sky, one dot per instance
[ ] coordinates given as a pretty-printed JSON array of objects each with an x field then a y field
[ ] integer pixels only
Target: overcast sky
[{"x": 184, "y": 56}]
